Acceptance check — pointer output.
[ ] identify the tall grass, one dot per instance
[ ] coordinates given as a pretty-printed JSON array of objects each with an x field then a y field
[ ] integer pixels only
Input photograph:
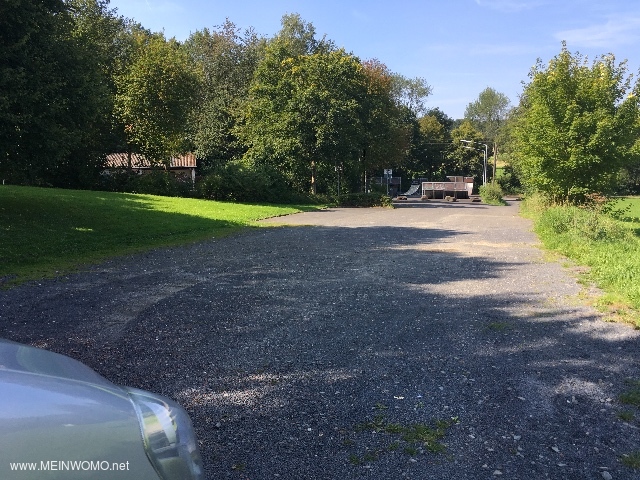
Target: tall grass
[
  {"x": 47, "y": 231},
  {"x": 597, "y": 238}
]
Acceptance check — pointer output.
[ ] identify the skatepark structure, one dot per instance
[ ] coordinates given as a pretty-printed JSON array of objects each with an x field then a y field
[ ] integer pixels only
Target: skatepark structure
[{"x": 456, "y": 187}]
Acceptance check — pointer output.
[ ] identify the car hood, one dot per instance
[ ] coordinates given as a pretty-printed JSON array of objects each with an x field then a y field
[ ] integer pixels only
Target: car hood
[{"x": 25, "y": 359}]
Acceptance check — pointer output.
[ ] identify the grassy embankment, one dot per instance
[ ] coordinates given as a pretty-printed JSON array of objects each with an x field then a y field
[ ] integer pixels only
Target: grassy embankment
[
  {"x": 607, "y": 240},
  {"x": 44, "y": 232}
]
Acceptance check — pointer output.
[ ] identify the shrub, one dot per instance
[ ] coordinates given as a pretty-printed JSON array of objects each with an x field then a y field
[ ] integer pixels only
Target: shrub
[
  {"x": 508, "y": 181},
  {"x": 237, "y": 181},
  {"x": 373, "y": 199},
  {"x": 157, "y": 182},
  {"x": 491, "y": 193}
]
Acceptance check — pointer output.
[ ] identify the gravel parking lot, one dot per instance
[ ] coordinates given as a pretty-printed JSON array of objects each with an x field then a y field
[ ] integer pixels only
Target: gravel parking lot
[{"x": 431, "y": 341}]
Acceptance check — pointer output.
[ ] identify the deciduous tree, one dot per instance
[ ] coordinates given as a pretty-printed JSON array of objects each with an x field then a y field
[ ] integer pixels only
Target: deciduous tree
[
  {"x": 304, "y": 114},
  {"x": 156, "y": 94},
  {"x": 575, "y": 125},
  {"x": 49, "y": 100},
  {"x": 488, "y": 114},
  {"x": 226, "y": 59},
  {"x": 463, "y": 158}
]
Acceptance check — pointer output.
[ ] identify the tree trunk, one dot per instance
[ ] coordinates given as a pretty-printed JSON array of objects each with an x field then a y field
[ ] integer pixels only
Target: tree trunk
[{"x": 313, "y": 177}]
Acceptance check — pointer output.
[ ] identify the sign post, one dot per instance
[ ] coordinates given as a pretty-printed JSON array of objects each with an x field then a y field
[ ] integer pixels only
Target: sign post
[{"x": 387, "y": 174}]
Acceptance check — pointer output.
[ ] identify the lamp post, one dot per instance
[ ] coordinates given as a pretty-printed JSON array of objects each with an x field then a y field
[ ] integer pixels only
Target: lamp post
[{"x": 484, "y": 169}]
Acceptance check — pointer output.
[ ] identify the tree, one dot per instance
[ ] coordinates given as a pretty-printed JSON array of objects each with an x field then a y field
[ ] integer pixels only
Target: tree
[
  {"x": 386, "y": 138},
  {"x": 411, "y": 92},
  {"x": 575, "y": 126},
  {"x": 50, "y": 95},
  {"x": 430, "y": 146},
  {"x": 309, "y": 121},
  {"x": 462, "y": 158},
  {"x": 226, "y": 62},
  {"x": 488, "y": 114},
  {"x": 101, "y": 33},
  {"x": 155, "y": 96},
  {"x": 304, "y": 114}
]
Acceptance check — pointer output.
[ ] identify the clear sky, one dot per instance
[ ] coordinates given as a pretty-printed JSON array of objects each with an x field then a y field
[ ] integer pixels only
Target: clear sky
[{"x": 459, "y": 47}]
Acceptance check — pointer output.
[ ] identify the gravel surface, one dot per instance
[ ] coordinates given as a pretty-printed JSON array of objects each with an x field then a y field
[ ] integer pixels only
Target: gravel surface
[{"x": 306, "y": 351}]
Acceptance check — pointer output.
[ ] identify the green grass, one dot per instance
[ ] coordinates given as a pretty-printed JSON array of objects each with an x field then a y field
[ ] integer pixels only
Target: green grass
[
  {"x": 413, "y": 437},
  {"x": 498, "y": 326},
  {"x": 632, "y": 460},
  {"x": 631, "y": 396},
  {"x": 631, "y": 207},
  {"x": 606, "y": 241},
  {"x": 44, "y": 232}
]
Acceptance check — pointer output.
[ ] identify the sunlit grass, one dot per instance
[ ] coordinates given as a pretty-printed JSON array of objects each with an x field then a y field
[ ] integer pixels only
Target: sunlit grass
[
  {"x": 608, "y": 243},
  {"x": 47, "y": 231}
]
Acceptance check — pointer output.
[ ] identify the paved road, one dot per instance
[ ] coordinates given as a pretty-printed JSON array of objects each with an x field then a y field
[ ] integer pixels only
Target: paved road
[{"x": 306, "y": 351}]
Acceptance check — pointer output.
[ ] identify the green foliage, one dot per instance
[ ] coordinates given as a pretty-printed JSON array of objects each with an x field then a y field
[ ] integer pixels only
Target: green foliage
[
  {"x": 364, "y": 200},
  {"x": 78, "y": 82},
  {"x": 243, "y": 182},
  {"x": 488, "y": 112},
  {"x": 589, "y": 236},
  {"x": 415, "y": 436},
  {"x": 410, "y": 93},
  {"x": 53, "y": 96},
  {"x": 432, "y": 141},
  {"x": 459, "y": 158},
  {"x": 629, "y": 178},
  {"x": 156, "y": 94},
  {"x": 632, "y": 395},
  {"x": 631, "y": 460},
  {"x": 387, "y": 125},
  {"x": 156, "y": 182},
  {"x": 575, "y": 126},
  {"x": 45, "y": 232},
  {"x": 508, "y": 181},
  {"x": 304, "y": 113},
  {"x": 491, "y": 193},
  {"x": 586, "y": 223},
  {"x": 227, "y": 61}
]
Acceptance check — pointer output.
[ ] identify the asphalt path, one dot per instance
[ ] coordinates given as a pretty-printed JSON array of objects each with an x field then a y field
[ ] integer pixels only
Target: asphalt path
[{"x": 430, "y": 341}]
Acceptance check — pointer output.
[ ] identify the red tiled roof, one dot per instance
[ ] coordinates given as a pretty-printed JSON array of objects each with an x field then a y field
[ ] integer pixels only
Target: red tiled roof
[{"x": 120, "y": 160}]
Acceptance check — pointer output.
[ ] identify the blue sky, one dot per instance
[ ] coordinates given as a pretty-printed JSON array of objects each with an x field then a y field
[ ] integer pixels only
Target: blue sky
[{"x": 459, "y": 47}]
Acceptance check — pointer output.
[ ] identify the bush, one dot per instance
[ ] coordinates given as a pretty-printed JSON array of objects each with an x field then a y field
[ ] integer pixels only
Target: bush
[
  {"x": 157, "y": 182},
  {"x": 373, "y": 199},
  {"x": 508, "y": 181},
  {"x": 239, "y": 182},
  {"x": 491, "y": 193}
]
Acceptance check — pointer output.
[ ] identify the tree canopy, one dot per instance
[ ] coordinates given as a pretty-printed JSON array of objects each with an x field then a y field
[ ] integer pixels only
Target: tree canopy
[
  {"x": 488, "y": 112},
  {"x": 155, "y": 96},
  {"x": 304, "y": 113},
  {"x": 78, "y": 82},
  {"x": 575, "y": 125},
  {"x": 226, "y": 60}
]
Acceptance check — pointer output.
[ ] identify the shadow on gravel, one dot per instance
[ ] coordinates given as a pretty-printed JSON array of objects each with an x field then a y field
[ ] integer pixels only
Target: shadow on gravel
[{"x": 283, "y": 342}]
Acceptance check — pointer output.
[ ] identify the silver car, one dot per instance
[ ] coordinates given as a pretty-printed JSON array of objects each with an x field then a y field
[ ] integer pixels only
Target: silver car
[{"x": 61, "y": 420}]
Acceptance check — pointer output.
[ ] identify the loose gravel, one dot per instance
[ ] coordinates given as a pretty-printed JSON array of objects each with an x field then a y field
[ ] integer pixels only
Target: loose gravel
[{"x": 305, "y": 349}]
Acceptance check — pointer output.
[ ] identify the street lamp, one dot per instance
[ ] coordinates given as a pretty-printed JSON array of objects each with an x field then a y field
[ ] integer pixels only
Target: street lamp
[{"x": 484, "y": 170}]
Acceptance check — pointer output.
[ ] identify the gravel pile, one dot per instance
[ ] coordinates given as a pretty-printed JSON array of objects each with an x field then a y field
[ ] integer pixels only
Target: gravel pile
[{"x": 428, "y": 341}]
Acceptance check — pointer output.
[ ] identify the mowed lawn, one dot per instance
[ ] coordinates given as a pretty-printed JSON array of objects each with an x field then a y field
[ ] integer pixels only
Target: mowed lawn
[
  {"x": 632, "y": 209},
  {"x": 46, "y": 231}
]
